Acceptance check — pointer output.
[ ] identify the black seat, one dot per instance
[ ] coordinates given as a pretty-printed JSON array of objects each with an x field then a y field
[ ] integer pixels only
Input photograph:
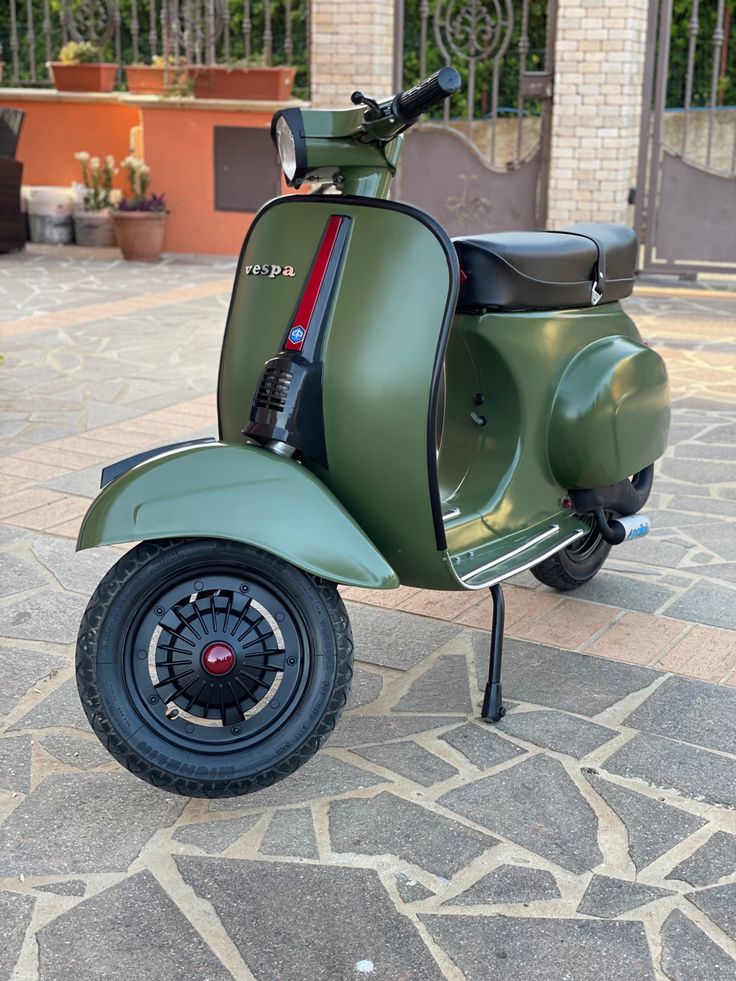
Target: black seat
[{"x": 578, "y": 267}]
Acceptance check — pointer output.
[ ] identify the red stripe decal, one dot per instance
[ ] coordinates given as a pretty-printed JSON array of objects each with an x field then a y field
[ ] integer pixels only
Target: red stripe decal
[{"x": 300, "y": 324}]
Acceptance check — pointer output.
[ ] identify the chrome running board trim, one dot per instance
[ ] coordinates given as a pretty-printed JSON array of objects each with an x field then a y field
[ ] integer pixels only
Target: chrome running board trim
[
  {"x": 552, "y": 530},
  {"x": 527, "y": 565}
]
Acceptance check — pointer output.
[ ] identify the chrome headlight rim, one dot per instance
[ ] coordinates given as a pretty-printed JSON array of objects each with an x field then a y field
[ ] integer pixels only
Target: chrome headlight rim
[{"x": 294, "y": 167}]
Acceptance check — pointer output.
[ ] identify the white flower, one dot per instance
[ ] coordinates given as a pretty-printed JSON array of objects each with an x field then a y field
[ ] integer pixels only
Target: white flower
[
  {"x": 82, "y": 156},
  {"x": 144, "y": 168},
  {"x": 110, "y": 161},
  {"x": 95, "y": 163}
]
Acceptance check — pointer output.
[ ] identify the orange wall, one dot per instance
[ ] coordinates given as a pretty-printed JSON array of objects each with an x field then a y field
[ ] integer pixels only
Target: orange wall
[
  {"x": 53, "y": 131},
  {"x": 178, "y": 144}
]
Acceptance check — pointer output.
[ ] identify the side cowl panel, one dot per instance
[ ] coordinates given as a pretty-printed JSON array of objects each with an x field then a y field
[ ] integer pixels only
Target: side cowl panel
[
  {"x": 611, "y": 414},
  {"x": 244, "y": 493}
]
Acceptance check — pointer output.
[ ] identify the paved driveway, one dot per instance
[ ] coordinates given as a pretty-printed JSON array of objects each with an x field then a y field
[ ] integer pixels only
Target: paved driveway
[{"x": 591, "y": 835}]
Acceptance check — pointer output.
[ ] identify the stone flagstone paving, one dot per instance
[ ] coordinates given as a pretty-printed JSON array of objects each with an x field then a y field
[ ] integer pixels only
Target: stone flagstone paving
[
  {"x": 590, "y": 835},
  {"x": 418, "y": 854}
]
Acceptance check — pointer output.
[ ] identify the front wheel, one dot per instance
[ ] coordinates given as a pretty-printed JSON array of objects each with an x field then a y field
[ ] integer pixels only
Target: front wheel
[
  {"x": 211, "y": 668},
  {"x": 577, "y": 564}
]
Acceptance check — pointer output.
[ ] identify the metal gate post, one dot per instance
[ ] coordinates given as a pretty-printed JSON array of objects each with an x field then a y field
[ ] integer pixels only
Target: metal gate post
[
  {"x": 547, "y": 118},
  {"x": 645, "y": 130},
  {"x": 660, "y": 103}
]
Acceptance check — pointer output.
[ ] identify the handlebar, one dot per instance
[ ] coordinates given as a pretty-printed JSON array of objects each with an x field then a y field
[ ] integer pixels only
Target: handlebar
[{"x": 408, "y": 106}]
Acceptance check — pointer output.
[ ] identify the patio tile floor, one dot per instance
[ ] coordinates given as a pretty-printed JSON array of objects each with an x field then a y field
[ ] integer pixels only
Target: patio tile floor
[{"x": 591, "y": 834}]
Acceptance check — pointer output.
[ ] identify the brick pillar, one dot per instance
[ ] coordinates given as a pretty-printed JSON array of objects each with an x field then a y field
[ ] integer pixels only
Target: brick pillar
[
  {"x": 352, "y": 47},
  {"x": 600, "y": 52}
]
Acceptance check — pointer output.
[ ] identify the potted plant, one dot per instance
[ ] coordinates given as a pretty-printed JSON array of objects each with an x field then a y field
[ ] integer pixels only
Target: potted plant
[
  {"x": 93, "y": 220},
  {"x": 140, "y": 220},
  {"x": 80, "y": 69},
  {"x": 243, "y": 80},
  {"x": 158, "y": 77}
]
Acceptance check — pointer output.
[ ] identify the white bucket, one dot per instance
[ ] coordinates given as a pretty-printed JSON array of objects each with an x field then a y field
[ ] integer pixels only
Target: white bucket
[{"x": 50, "y": 214}]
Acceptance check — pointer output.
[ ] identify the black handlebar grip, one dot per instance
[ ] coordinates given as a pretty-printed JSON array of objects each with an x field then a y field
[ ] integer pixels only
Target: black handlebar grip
[{"x": 409, "y": 106}]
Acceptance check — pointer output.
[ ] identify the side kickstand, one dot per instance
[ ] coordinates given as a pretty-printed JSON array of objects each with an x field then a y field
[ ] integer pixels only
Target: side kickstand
[{"x": 493, "y": 710}]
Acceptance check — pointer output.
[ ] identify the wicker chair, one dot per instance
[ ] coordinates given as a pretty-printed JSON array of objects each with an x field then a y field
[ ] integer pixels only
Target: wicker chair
[{"x": 12, "y": 223}]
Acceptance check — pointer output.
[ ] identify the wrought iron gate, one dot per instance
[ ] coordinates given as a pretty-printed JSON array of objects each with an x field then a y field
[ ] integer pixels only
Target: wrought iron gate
[
  {"x": 137, "y": 31},
  {"x": 482, "y": 164},
  {"x": 686, "y": 196}
]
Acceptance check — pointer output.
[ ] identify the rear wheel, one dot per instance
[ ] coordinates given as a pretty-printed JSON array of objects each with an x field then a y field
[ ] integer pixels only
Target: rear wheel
[
  {"x": 211, "y": 668},
  {"x": 576, "y": 564}
]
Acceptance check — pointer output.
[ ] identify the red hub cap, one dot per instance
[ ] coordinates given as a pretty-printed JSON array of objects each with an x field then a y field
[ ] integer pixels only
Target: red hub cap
[{"x": 218, "y": 658}]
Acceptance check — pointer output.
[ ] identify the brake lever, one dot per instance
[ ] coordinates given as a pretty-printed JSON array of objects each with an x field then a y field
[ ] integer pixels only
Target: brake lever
[{"x": 358, "y": 99}]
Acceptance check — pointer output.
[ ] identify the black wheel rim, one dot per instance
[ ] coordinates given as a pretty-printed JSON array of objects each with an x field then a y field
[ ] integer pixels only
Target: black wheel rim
[
  {"x": 584, "y": 547},
  {"x": 217, "y": 661}
]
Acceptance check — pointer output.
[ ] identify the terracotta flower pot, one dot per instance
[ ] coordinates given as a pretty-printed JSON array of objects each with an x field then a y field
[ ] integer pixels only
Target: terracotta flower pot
[
  {"x": 140, "y": 234},
  {"x": 83, "y": 78},
  {"x": 150, "y": 80},
  {"x": 222, "y": 82},
  {"x": 2, "y": 66},
  {"x": 145, "y": 79}
]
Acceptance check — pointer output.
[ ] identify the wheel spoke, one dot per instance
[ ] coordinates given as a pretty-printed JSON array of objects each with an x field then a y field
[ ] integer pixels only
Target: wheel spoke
[
  {"x": 266, "y": 665},
  {"x": 174, "y": 650},
  {"x": 279, "y": 650},
  {"x": 184, "y": 640},
  {"x": 256, "y": 677},
  {"x": 228, "y": 610},
  {"x": 236, "y": 703},
  {"x": 186, "y": 623},
  {"x": 246, "y": 689},
  {"x": 193, "y": 698},
  {"x": 240, "y": 618},
  {"x": 201, "y": 619},
  {"x": 206, "y": 711},
  {"x": 251, "y": 627},
  {"x": 180, "y": 691},
  {"x": 258, "y": 640},
  {"x": 173, "y": 680}
]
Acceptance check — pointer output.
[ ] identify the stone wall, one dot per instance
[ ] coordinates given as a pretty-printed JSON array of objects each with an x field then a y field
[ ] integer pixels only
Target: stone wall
[
  {"x": 600, "y": 53},
  {"x": 723, "y": 138},
  {"x": 352, "y": 48}
]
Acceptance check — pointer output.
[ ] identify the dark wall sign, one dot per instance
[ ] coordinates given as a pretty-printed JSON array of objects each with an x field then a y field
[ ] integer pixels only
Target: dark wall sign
[{"x": 247, "y": 170}]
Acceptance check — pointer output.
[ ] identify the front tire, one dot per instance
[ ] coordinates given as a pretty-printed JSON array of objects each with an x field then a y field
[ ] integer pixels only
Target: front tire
[
  {"x": 211, "y": 668},
  {"x": 569, "y": 568}
]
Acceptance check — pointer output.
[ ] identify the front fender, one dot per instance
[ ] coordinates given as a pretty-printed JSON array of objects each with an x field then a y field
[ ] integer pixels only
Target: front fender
[{"x": 245, "y": 493}]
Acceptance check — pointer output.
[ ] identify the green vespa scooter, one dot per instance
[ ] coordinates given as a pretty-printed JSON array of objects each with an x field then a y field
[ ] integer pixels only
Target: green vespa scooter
[{"x": 394, "y": 407}]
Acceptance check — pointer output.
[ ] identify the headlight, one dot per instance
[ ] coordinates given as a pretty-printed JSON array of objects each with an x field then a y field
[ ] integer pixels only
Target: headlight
[
  {"x": 286, "y": 146},
  {"x": 287, "y": 132}
]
